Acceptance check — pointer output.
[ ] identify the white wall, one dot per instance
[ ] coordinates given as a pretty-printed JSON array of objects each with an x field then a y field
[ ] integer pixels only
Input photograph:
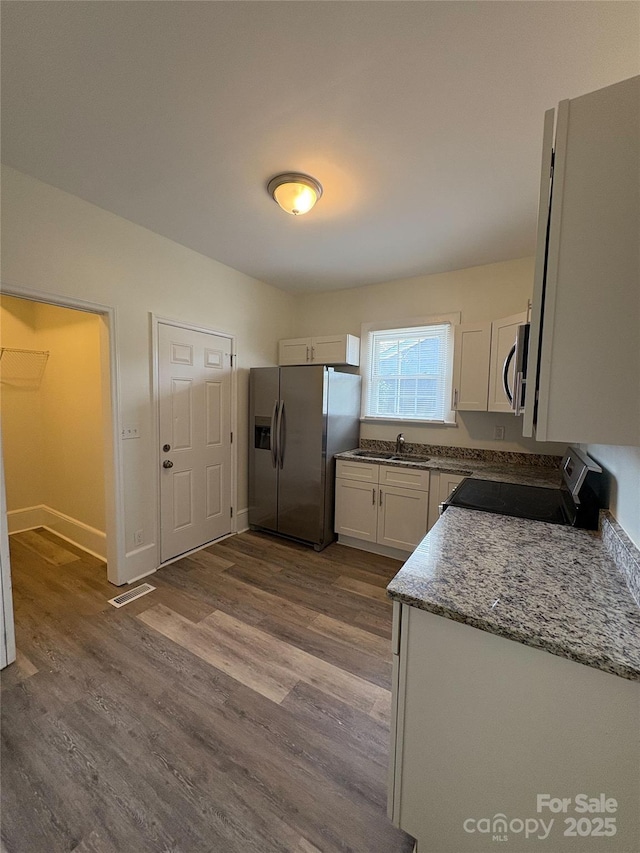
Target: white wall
[
  {"x": 480, "y": 293},
  {"x": 623, "y": 464},
  {"x": 56, "y": 243}
]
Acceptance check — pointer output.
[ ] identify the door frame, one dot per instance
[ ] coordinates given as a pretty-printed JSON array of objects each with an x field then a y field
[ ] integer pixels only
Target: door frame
[
  {"x": 155, "y": 321},
  {"x": 114, "y": 481},
  {"x": 8, "y": 634}
]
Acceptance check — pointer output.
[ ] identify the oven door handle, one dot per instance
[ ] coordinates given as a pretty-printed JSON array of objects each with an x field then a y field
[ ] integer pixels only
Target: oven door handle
[{"x": 505, "y": 375}]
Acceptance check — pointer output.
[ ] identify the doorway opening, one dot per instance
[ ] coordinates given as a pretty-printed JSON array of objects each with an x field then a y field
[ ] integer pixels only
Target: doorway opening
[
  {"x": 59, "y": 421},
  {"x": 52, "y": 423}
]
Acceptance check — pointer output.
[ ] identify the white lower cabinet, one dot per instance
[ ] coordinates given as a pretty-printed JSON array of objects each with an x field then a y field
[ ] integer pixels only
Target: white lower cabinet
[
  {"x": 481, "y": 726},
  {"x": 356, "y": 509},
  {"x": 402, "y": 517},
  {"x": 382, "y": 505},
  {"x": 442, "y": 484}
]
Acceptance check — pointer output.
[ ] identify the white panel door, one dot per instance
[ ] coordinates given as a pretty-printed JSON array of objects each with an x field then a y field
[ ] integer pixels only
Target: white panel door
[
  {"x": 402, "y": 517},
  {"x": 195, "y": 438}
]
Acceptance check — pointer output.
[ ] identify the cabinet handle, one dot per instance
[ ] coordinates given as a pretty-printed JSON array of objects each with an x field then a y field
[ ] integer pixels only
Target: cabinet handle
[
  {"x": 455, "y": 398},
  {"x": 307, "y": 353},
  {"x": 373, "y": 497},
  {"x": 380, "y": 497},
  {"x": 313, "y": 353}
]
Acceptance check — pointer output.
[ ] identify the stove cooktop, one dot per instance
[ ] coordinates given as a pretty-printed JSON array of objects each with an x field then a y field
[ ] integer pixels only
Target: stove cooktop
[{"x": 533, "y": 502}]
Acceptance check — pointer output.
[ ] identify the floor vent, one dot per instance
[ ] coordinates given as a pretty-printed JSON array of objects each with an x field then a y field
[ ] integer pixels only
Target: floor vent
[{"x": 131, "y": 595}]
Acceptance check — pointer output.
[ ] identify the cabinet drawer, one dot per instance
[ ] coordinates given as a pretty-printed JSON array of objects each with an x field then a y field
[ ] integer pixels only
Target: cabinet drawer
[
  {"x": 408, "y": 478},
  {"x": 362, "y": 471}
]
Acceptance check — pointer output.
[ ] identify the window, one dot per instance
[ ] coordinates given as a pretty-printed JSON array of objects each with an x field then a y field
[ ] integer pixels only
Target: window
[{"x": 407, "y": 371}]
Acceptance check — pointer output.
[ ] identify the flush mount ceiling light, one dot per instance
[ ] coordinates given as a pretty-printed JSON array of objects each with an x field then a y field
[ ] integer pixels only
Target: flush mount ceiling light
[{"x": 294, "y": 192}]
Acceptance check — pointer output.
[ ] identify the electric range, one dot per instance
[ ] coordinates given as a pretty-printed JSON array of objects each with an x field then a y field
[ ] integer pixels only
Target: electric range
[{"x": 577, "y": 502}]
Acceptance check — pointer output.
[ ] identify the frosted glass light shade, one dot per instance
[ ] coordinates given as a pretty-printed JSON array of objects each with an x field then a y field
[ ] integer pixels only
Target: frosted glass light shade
[{"x": 294, "y": 192}]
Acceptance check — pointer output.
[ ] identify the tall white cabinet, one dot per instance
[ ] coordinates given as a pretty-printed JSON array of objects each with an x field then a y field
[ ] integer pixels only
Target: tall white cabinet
[{"x": 585, "y": 325}]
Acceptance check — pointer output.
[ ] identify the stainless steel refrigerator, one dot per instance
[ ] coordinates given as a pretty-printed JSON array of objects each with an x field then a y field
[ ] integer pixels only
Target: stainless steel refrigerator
[{"x": 299, "y": 417}]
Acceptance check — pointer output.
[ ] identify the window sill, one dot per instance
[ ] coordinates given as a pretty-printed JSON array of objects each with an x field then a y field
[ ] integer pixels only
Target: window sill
[{"x": 417, "y": 422}]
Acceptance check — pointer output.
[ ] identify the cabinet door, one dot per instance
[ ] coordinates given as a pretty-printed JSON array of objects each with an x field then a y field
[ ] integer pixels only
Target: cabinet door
[
  {"x": 447, "y": 484},
  {"x": 531, "y": 385},
  {"x": 503, "y": 336},
  {"x": 356, "y": 509},
  {"x": 402, "y": 517},
  {"x": 441, "y": 487},
  {"x": 589, "y": 383},
  {"x": 471, "y": 355},
  {"x": 335, "y": 349},
  {"x": 295, "y": 351}
]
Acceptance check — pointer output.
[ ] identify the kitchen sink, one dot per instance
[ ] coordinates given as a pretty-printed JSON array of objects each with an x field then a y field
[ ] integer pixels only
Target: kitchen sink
[
  {"x": 396, "y": 457},
  {"x": 410, "y": 457}
]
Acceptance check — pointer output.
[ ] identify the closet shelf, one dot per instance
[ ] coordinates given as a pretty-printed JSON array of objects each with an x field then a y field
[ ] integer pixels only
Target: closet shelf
[{"x": 22, "y": 368}]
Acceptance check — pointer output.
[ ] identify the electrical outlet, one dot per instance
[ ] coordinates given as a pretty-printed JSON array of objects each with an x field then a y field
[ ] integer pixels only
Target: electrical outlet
[
  {"x": 498, "y": 433},
  {"x": 138, "y": 537},
  {"x": 130, "y": 432}
]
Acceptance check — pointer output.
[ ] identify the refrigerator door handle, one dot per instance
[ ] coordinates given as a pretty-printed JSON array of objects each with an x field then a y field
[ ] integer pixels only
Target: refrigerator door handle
[
  {"x": 281, "y": 434},
  {"x": 274, "y": 443}
]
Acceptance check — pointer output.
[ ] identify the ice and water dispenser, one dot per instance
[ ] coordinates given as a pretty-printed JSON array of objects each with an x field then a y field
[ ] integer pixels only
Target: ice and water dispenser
[{"x": 262, "y": 433}]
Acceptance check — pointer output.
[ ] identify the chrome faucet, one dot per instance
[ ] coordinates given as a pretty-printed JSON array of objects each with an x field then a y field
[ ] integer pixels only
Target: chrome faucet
[{"x": 399, "y": 443}]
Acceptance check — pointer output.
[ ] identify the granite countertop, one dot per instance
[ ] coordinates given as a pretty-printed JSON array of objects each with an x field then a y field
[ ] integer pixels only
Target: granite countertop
[
  {"x": 509, "y": 472},
  {"x": 544, "y": 585}
]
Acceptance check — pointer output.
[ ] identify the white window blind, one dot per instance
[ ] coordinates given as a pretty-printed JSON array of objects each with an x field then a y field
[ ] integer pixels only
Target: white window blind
[{"x": 408, "y": 374}]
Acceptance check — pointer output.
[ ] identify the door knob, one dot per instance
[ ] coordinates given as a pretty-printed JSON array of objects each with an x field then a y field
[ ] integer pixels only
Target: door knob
[{"x": 167, "y": 463}]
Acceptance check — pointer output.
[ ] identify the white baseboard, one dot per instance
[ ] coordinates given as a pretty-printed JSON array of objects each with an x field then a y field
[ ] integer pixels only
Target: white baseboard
[
  {"x": 242, "y": 520},
  {"x": 76, "y": 532},
  {"x": 28, "y": 518},
  {"x": 141, "y": 562}
]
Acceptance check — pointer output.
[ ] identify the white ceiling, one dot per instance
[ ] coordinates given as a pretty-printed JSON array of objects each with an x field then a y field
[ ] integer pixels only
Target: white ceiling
[{"x": 422, "y": 120}]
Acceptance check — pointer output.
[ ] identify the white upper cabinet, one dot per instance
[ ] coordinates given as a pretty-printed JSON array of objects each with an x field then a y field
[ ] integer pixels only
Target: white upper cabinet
[
  {"x": 585, "y": 326},
  {"x": 503, "y": 336},
  {"x": 471, "y": 356},
  {"x": 326, "y": 349},
  {"x": 294, "y": 351},
  {"x": 480, "y": 350}
]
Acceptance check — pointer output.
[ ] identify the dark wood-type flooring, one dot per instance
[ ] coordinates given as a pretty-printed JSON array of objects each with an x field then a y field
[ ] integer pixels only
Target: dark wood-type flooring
[{"x": 242, "y": 706}]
